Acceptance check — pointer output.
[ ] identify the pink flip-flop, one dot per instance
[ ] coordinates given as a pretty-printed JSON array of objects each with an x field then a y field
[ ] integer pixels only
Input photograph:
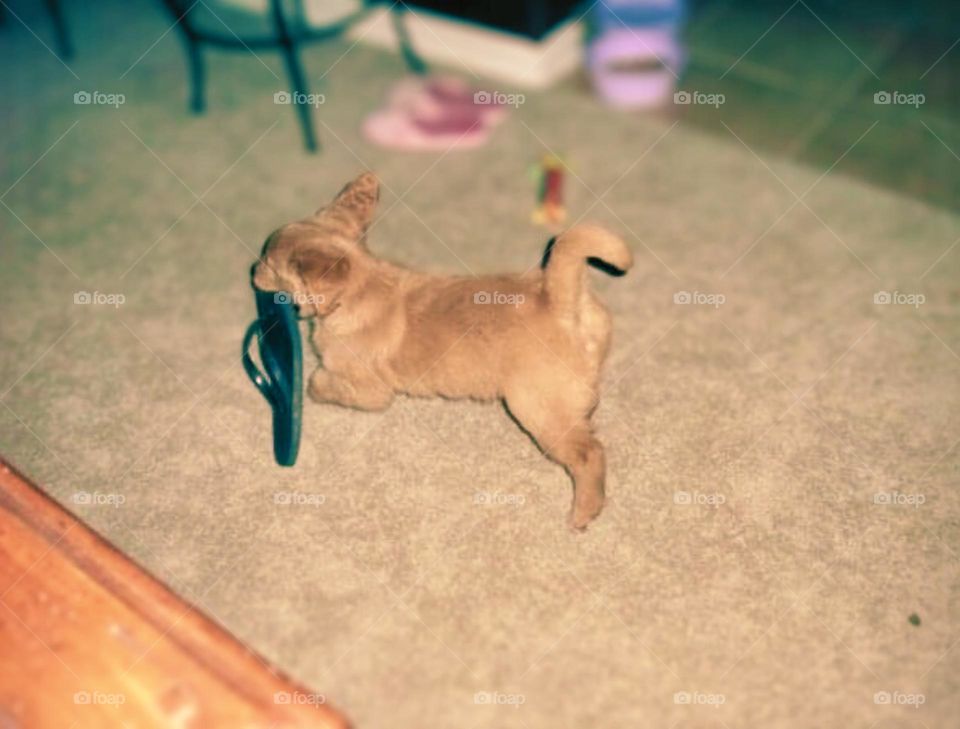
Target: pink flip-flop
[
  {"x": 439, "y": 95},
  {"x": 439, "y": 113},
  {"x": 397, "y": 129}
]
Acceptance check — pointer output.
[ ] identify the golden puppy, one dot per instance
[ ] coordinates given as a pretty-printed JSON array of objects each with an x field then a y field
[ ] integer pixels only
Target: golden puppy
[{"x": 535, "y": 340}]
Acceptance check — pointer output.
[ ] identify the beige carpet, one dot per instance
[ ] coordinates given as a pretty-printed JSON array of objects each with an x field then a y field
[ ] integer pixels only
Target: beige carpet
[{"x": 743, "y": 573}]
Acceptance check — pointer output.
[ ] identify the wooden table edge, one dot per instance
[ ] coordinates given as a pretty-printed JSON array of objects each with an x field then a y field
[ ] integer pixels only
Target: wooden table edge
[{"x": 212, "y": 647}]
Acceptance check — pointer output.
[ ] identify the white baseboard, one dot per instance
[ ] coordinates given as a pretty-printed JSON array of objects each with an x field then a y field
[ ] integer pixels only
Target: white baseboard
[
  {"x": 475, "y": 50},
  {"x": 478, "y": 50}
]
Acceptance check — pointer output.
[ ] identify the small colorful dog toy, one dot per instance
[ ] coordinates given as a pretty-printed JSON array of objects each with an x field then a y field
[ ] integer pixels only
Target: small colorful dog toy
[{"x": 550, "y": 211}]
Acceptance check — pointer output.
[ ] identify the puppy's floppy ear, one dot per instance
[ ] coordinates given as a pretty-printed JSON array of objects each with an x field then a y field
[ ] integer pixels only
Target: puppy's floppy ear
[
  {"x": 355, "y": 204},
  {"x": 324, "y": 273}
]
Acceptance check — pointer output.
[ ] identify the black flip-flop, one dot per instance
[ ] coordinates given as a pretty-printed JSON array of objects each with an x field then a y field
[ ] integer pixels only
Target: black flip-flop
[{"x": 281, "y": 353}]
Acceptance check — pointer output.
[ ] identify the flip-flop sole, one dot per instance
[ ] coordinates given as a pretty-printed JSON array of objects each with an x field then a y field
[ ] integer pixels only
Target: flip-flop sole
[{"x": 281, "y": 353}]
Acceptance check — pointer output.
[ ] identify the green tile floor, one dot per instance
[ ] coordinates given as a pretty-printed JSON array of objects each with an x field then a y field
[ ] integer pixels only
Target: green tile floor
[{"x": 799, "y": 81}]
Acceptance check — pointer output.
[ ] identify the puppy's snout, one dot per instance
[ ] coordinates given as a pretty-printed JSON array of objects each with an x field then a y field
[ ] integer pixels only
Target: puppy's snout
[{"x": 261, "y": 275}]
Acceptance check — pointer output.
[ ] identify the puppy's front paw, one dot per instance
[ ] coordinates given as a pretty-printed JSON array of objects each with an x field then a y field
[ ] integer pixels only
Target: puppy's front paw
[
  {"x": 363, "y": 394},
  {"x": 319, "y": 386}
]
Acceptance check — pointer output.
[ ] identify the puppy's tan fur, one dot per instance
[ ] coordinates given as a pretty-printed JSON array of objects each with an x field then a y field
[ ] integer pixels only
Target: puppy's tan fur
[{"x": 383, "y": 329}]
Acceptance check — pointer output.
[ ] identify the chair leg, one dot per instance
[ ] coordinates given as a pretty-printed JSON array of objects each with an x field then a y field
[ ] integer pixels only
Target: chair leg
[
  {"x": 297, "y": 80},
  {"x": 198, "y": 76},
  {"x": 191, "y": 43},
  {"x": 64, "y": 46},
  {"x": 411, "y": 58}
]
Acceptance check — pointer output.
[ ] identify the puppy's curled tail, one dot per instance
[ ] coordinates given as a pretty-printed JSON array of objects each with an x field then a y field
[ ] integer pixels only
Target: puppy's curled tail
[{"x": 565, "y": 263}]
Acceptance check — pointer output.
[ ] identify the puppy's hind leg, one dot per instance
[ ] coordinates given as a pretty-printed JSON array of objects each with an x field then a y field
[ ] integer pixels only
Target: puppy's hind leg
[
  {"x": 565, "y": 436},
  {"x": 363, "y": 392}
]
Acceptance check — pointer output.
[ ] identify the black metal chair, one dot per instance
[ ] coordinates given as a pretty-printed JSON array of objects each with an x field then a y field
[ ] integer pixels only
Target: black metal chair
[{"x": 279, "y": 30}]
